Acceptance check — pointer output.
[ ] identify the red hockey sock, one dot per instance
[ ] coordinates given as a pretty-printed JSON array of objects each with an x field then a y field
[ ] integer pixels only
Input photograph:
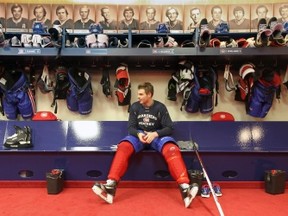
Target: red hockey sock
[
  {"x": 120, "y": 161},
  {"x": 175, "y": 163}
]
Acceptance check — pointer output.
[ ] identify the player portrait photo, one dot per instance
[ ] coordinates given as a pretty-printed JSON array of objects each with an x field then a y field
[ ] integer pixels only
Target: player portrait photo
[
  {"x": 173, "y": 17},
  {"x": 259, "y": 11},
  {"x": 216, "y": 14},
  {"x": 239, "y": 18},
  {"x": 193, "y": 14},
  {"x": 2, "y": 17},
  {"x": 63, "y": 15},
  {"x": 106, "y": 16},
  {"x": 128, "y": 17},
  {"x": 150, "y": 18},
  {"x": 84, "y": 16},
  {"x": 17, "y": 18},
  {"x": 281, "y": 12},
  {"x": 40, "y": 13}
]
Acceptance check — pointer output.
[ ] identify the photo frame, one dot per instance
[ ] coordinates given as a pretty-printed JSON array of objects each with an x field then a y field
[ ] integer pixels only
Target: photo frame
[
  {"x": 106, "y": 16},
  {"x": 193, "y": 14},
  {"x": 3, "y": 16},
  {"x": 173, "y": 17},
  {"x": 63, "y": 14},
  {"x": 150, "y": 18},
  {"x": 264, "y": 10},
  {"x": 130, "y": 12},
  {"x": 84, "y": 16},
  {"x": 216, "y": 14},
  {"x": 40, "y": 13},
  {"x": 280, "y": 11},
  {"x": 20, "y": 11},
  {"x": 239, "y": 18}
]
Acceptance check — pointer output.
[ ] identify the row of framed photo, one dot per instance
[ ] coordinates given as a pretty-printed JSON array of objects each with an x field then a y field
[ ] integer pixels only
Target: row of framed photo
[{"x": 139, "y": 18}]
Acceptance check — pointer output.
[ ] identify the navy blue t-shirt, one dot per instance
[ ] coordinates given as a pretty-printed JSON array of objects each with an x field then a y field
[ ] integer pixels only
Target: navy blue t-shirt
[{"x": 150, "y": 119}]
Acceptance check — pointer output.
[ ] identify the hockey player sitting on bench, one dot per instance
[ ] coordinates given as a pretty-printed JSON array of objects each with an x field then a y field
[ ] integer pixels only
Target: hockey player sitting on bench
[{"x": 149, "y": 127}]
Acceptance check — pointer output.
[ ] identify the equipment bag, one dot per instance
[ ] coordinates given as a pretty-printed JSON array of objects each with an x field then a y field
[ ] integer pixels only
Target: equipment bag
[
  {"x": 181, "y": 79},
  {"x": 122, "y": 85},
  {"x": 245, "y": 82},
  {"x": 61, "y": 86},
  {"x": 17, "y": 97},
  {"x": 79, "y": 95},
  {"x": 105, "y": 82},
  {"x": 263, "y": 93},
  {"x": 44, "y": 82},
  {"x": 199, "y": 95}
]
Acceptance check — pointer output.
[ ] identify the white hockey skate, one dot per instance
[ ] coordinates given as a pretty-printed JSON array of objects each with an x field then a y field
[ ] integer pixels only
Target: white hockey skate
[
  {"x": 105, "y": 191},
  {"x": 188, "y": 194}
]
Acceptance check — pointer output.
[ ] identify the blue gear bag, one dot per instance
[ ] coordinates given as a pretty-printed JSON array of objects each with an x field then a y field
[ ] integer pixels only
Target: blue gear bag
[
  {"x": 199, "y": 95},
  {"x": 17, "y": 97},
  {"x": 80, "y": 94}
]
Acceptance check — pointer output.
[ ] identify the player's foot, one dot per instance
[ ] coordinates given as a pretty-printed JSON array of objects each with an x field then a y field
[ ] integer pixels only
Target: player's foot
[
  {"x": 189, "y": 193},
  {"x": 105, "y": 191}
]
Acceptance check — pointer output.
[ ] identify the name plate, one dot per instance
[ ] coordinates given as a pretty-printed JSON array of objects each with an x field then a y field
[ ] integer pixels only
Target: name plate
[
  {"x": 29, "y": 51},
  {"x": 163, "y": 51},
  {"x": 96, "y": 51},
  {"x": 234, "y": 51},
  {"x": 79, "y": 31}
]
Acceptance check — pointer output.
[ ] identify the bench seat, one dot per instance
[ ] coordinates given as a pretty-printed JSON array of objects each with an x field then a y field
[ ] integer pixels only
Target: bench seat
[{"x": 231, "y": 151}]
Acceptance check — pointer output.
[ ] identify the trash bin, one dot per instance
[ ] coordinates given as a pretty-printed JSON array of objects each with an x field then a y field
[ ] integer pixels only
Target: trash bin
[
  {"x": 196, "y": 176},
  {"x": 55, "y": 181},
  {"x": 275, "y": 181}
]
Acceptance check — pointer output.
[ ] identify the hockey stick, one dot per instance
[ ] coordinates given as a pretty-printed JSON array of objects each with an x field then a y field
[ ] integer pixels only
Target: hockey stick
[{"x": 208, "y": 180}]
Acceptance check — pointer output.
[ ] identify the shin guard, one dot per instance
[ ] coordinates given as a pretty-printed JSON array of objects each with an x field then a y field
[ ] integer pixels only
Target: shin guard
[
  {"x": 175, "y": 163},
  {"x": 120, "y": 161}
]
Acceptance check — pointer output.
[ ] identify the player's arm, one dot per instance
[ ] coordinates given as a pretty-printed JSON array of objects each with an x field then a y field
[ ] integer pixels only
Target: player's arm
[
  {"x": 133, "y": 122},
  {"x": 165, "y": 130},
  {"x": 166, "y": 122},
  {"x": 133, "y": 128}
]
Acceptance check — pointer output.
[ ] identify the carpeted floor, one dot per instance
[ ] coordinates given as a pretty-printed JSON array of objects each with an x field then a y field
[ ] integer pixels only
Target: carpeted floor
[{"x": 137, "y": 202}]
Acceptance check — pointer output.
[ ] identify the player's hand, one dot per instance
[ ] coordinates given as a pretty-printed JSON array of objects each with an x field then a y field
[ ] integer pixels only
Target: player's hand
[
  {"x": 150, "y": 136},
  {"x": 141, "y": 137}
]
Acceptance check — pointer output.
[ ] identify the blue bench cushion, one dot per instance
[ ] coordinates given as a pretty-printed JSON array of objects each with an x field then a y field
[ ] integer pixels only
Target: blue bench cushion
[{"x": 104, "y": 135}]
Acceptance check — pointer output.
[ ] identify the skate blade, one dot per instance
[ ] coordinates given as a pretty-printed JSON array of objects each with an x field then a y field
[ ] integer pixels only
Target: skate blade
[
  {"x": 188, "y": 200},
  {"x": 99, "y": 192}
]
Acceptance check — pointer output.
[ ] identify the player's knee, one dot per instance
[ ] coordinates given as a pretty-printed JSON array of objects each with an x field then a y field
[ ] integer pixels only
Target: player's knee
[
  {"x": 170, "y": 150},
  {"x": 125, "y": 146}
]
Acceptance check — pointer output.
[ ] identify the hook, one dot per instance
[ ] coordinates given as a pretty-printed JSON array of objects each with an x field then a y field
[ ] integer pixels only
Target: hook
[
  {"x": 153, "y": 63},
  {"x": 31, "y": 60},
  {"x": 167, "y": 64},
  {"x": 93, "y": 65},
  {"x": 228, "y": 63},
  {"x": 45, "y": 60},
  {"x": 260, "y": 64},
  {"x": 138, "y": 65},
  {"x": 215, "y": 65},
  {"x": 107, "y": 63},
  {"x": 275, "y": 62}
]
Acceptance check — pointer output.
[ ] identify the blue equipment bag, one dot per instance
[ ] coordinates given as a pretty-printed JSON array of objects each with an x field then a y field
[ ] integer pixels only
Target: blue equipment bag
[
  {"x": 199, "y": 95},
  {"x": 80, "y": 94},
  {"x": 17, "y": 97}
]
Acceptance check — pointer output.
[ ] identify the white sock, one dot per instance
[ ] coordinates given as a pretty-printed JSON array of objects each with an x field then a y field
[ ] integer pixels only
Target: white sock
[
  {"x": 184, "y": 185},
  {"x": 110, "y": 181}
]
